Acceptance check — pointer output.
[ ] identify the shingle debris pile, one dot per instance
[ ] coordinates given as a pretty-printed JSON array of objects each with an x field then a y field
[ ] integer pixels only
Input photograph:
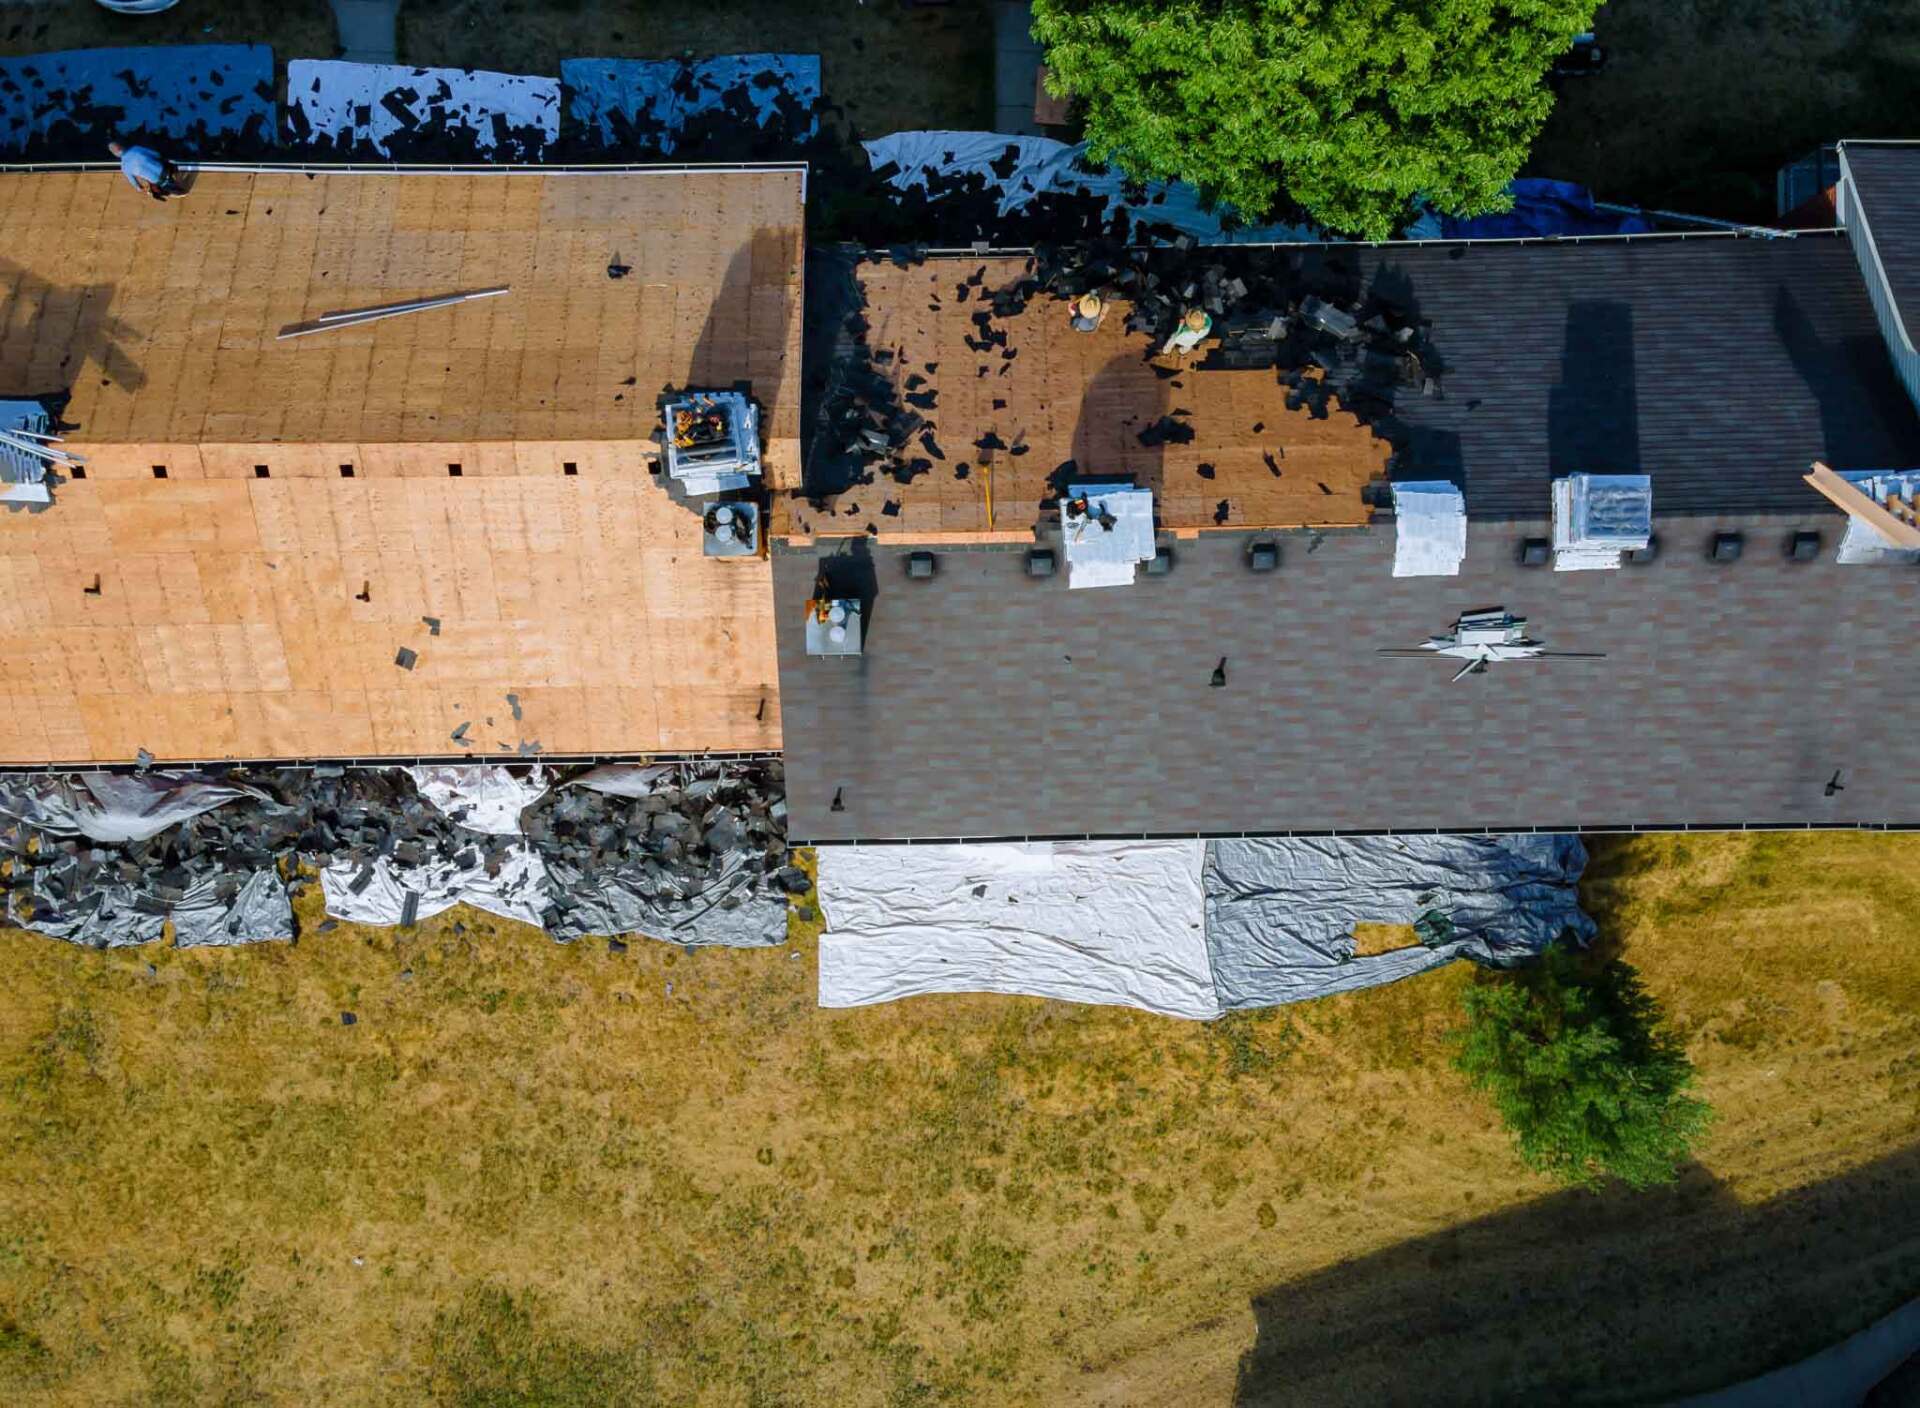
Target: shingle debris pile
[
  {"x": 695, "y": 853},
  {"x": 1303, "y": 312}
]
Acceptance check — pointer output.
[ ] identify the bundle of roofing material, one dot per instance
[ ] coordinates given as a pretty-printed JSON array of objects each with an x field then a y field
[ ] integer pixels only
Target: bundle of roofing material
[
  {"x": 1597, "y": 517},
  {"x": 1185, "y": 928},
  {"x": 1861, "y": 542},
  {"x": 1107, "y": 531},
  {"x": 692, "y": 853},
  {"x": 1023, "y": 169},
  {"x": 1430, "y": 529},
  {"x": 642, "y": 106},
  {"x": 391, "y": 111},
  {"x": 192, "y": 99}
]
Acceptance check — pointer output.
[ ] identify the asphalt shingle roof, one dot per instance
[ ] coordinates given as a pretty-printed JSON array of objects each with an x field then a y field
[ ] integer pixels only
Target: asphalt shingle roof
[
  {"x": 1720, "y": 366},
  {"x": 1887, "y": 179},
  {"x": 991, "y": 704}
]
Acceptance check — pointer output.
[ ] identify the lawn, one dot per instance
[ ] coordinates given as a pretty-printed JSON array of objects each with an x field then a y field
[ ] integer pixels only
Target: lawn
[
  {"x": 889, "y": 66},
  {"x": 564, "y": 1175},
  {"x": 1704, "y": 100},
  {"x": 297, "y": 29}
]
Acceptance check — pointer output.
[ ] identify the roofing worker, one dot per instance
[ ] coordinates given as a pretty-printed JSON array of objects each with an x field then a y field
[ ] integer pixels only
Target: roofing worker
[
  {"x": 1193, "y": 331},
  {"x": 1088, "y": 309},
  {"x": 146, "y": 170}
]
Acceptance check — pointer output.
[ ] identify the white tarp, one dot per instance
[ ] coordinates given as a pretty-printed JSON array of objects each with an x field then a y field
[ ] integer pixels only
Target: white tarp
[
  {"x": 487, "y": 797},
  {"x": 1024, "y": 167},
  {"x": 1116, "y": 922},
  {"x": 1429, "y": 529},
  {"x": 378, "y": 108},
  {"x": 1106, "y": 542}
]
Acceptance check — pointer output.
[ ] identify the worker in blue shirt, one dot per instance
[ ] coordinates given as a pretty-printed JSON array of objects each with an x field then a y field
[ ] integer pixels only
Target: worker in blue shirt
[{"x": 146, "y": 170}]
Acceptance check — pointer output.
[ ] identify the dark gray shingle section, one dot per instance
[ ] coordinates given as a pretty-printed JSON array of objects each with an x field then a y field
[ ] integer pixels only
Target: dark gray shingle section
[
  {"x": 1730, "y": 694},
  {"x": 1721, "y": 367},
  {"x": 1887, "y": 181}
]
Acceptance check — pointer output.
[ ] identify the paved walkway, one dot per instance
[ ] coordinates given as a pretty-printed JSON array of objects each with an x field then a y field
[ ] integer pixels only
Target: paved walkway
[
  {"x": 1016, "y": 64},
  {"x": 367, "y": 30}
]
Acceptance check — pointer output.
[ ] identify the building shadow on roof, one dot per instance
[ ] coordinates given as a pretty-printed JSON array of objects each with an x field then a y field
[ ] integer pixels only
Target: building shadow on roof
[
  {"x": 1608, "y": 1298},
  {"x": 1127, "y": 418},
  {"x": 1852, "y": 381},
  {"x": 1593, "y": 411},
  {"x": 97, "y": 344}
]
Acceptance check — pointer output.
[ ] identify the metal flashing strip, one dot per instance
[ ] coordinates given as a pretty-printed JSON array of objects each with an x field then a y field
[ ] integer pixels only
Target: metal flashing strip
[
  {"x": 544, "y": 759},
  {"x": 1611, "y": 829}
]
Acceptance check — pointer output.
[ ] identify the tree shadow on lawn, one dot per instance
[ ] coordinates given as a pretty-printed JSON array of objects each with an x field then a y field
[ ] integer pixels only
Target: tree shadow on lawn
[{"x": 1610, "y": 1298}]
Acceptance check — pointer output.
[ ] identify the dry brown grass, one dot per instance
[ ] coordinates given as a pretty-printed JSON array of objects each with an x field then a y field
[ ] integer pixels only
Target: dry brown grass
[{"x": 669, "y": 1177}]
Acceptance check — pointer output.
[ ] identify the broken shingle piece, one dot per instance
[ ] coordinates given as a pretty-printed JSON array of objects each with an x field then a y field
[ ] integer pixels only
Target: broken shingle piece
[{"x": 405, "y": 658}]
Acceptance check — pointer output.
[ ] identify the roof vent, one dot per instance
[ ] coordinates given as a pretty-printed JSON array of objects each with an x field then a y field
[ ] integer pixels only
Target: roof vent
[
  {"x": 730, "y": 530},
  {"x": 834, "y": 626},
  {"x": 1725, "y": 547},
  {"x": 712, "y": 441},
  {"x": 920, "y": 565},
  {"x": 1263, "y": 556}
]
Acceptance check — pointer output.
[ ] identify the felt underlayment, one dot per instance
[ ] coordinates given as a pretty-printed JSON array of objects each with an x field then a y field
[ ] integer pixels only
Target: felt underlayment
[
  {"x": 229, "y": 620},
  {"x": 1084, "y": 397},
  {"x": 162, "y": 317}
]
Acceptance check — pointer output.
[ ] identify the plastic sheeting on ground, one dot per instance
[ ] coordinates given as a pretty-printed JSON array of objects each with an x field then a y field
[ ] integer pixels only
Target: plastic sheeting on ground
[
  {"x": 112, "y": 807},
  {"x": 1281, "y": 912},
  {"x": 1178, "y": 927},
  {"x": 189, "y": 100},
  {"x": 1115, "y": 922},
  {"x": 1429, "y": 529},
  {"x": 642, "y": 105},
  {"x": 1540, "y": 208},
  {"x": 1023, "y": 168},
  {"x": 392, "y": 111}
]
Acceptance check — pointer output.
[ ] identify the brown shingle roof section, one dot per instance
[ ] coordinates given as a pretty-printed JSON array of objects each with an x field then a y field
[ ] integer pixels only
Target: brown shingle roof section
[
  {"x": 162, "y": 317},
  {"x": 1084, "y": 397},
  {"x": 1886, "y": 177},
  {"x": 1721, "y": 367}
]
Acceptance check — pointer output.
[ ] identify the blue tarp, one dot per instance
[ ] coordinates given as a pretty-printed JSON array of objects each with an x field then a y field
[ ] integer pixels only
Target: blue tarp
[
  {"x": 1540, "y": 207},
  {"x": 640, "y": 106},
  {"x": 194, "y": 100}
]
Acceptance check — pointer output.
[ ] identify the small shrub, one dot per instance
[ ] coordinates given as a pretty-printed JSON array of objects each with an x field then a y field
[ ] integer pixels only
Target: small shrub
[{"x": 1587, "y": 1081}]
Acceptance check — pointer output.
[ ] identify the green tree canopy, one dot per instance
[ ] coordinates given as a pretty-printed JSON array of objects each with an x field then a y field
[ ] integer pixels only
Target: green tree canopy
[
  {"x": 1587, "y": 1081},
  {"x": 1350, "y": 108}
]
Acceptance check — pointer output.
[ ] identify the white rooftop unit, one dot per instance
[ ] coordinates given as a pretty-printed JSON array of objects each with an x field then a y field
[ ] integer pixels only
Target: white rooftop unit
[
  {"x": 834, "y": 626},
  {"x": 1430, "y": 529},
  {"x": 712, "y": 441},
  {"x": 1597, "y": 517},
  {"x": 1108, "y": 531}
]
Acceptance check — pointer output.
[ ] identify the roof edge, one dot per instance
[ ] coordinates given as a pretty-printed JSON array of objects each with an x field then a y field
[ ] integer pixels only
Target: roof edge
[{"x": 396, "y": 168}]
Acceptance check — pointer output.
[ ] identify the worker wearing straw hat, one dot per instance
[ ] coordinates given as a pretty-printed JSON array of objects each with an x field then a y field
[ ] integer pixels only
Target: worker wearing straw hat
[
  {"x": 1088, "y": 309},
  {"x": 1193, "y": 330}
]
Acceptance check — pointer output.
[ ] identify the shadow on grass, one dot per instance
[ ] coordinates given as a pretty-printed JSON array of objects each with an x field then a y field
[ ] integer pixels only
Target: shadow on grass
[{"x": 1609, "y": 1298}]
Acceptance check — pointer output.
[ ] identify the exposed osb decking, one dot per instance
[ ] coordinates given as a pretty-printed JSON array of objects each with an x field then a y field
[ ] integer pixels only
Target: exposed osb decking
[
  {"x": 1085, "y": 397},
  {"x": 229, "y": 621},
  {"x": 162, "y": 317}
]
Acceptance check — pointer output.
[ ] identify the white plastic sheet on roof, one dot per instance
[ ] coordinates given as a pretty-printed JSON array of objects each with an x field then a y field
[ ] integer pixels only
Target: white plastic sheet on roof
[
  {"x": 1596, "y": 517},
  {"x": 1430, "y": 529},
  {"x": 1103, "y": 556}
]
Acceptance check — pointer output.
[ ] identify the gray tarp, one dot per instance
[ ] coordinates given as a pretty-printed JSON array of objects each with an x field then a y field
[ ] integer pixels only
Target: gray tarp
[
  {"x": 113, "y": 807},
  {"x": 1281, "y": 912}
]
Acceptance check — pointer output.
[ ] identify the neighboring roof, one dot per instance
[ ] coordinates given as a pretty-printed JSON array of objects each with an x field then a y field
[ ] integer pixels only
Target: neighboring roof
[
  {"x": 1720, "y": 366},
  {"x": 989, "y": 703},
  {"x": 260, "y": 618},
  {"x": 1886, "y": 178},
  {"x": 1051, "y": 395},
  {"x": 162, "y": 317}
]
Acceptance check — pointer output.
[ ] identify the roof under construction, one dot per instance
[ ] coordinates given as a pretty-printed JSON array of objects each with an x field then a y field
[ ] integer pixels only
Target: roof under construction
[{"x": 359, "y": 543}]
